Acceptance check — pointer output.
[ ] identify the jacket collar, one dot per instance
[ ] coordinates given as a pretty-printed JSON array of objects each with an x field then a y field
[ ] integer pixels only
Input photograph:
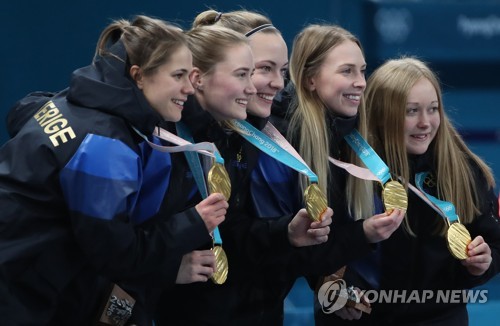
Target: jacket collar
[
  {"x": 106, "y": 86},
  {"x": 341, "y": 126},
  {"x": 204, "y": 127}
]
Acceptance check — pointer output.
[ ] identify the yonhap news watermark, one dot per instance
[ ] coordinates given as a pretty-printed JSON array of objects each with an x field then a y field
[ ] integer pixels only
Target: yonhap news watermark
[{"x": 334, "y": 295}]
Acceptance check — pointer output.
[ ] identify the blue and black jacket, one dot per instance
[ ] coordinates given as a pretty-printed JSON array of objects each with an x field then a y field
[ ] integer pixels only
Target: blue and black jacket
[{"x": 77, "y": 188}]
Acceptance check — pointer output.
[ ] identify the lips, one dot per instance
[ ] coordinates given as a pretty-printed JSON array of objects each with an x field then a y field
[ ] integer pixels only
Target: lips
[
  {"x": 242, "y": 102},
  {"x": 420, "y": 136},
  {"x": 353, "y": 97},
  {"x": 179, "y": 102},
  {"x": 266, "y": 97}
]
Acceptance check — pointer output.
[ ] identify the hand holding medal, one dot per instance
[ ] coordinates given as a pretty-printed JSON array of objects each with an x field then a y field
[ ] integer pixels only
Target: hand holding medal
[
  {"x": 219, "y": 182},
  {"x": 458, "y": 238}
]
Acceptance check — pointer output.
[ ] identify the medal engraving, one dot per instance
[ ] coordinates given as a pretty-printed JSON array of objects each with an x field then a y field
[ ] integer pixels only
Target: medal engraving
[
  {"x": 220, "y": 276},
  {"x": 394, "y": 196},
  {"x": 218, "y": 180},
  {"x": 316, "y": 203},
  {"x": 458, "y": 239}
]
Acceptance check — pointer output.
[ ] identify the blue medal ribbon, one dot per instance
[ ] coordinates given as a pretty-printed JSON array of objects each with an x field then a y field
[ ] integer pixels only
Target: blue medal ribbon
[
  {"x": 195, "y": 165},
  {"x": 366, "y": 153},
  {"x": 447, "y": 209},
  {"x": 271, "y": 148}
]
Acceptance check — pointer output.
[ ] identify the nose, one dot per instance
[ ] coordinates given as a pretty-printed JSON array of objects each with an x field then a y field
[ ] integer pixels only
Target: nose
[
  {"x": 187, "y": 88},
  {"x": 360, "y": 81},
  {"x": 250, "y": 88},
  {"x": 277, "y": 82},
  {"x": 423, "y": 120}
]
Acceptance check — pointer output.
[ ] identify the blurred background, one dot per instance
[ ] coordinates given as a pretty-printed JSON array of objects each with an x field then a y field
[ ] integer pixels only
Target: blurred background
[{"x": 42, "y": 42}]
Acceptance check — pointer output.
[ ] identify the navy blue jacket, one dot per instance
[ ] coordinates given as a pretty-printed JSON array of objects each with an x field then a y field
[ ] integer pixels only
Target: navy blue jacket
[{"x": 77, "y": 184}]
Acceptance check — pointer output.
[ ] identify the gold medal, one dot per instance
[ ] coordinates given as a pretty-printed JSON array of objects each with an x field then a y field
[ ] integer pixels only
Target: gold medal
[
  {"x": 458, "y": 239},
  {"x": 220, "y": 276},
  {"x": 218, "y": 180},
  {"x": 394, "y": 196},
  {"x": 316, "y": 203}
]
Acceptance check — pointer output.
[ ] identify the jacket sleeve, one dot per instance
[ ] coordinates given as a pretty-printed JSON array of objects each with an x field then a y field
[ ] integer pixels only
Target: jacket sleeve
[
  {"x": 101, "y": 192},
  {"x": 486, "y": 225},
  {"x": 346, "y": 242}
]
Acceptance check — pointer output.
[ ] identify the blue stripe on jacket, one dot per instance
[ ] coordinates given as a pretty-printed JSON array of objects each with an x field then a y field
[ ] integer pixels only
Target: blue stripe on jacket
[
  {"x": 274, "y": 188},
  {"x": 105, "y": 178}
]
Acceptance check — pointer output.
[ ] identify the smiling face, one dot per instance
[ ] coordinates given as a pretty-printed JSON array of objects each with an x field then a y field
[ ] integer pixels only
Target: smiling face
[
  {"x": 226, "y": 90},
  {"x": 422, "y": 117},
  {"x": 271, "y": 62},
  {"x": 340, "y": 81},
  {"x": 167, "y": 88}
]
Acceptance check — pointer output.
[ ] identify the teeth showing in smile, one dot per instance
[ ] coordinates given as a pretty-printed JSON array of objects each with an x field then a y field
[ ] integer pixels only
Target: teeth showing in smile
[
  {"x": 420, "y": 137},
  {"x": 242, "y": 102},
  {"x": 353, "y": 97},
  {"x": 178, "y": 102},
  {"x": 266, "y": 97}
]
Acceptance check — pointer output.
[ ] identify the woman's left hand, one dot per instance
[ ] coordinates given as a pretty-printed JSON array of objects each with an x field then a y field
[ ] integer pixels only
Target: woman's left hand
[{"x": 479, "y": 259}]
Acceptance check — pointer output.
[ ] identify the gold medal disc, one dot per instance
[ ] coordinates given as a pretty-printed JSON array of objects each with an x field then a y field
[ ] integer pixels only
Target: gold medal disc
[
  {"x": 218, "y": 180},
  {"x": 220, "y": 276},
  {"x": 316, "y": 203},
  {"x": 394, "y": 196},
  {"x": 458, "y": 239}
]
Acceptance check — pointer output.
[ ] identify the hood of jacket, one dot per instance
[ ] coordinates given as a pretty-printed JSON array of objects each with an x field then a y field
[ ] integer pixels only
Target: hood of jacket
[{"x": 106, "y": 86}]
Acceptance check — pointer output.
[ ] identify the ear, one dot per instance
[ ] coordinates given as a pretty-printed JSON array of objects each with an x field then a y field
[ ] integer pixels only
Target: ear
[
  {"x": 136, "y": 74},
  {"x": 195, "y": 76},
  {"x": 311, "y": 84}
]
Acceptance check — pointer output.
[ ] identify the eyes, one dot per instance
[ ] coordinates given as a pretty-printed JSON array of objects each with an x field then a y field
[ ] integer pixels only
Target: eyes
[
  {"x": 411, "y": 111},
  {"x": 244, "y": 74},
  {"x": 350, "y": 70},
  {"x": 179, "y": 75},
  {"x": 266, "y": 69}
]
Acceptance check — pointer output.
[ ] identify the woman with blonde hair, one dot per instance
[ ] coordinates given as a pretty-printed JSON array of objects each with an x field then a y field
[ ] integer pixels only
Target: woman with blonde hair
[
  {"x": 324, "y": 103},
  {"x": 410, "y": 130},
  {"x": 224, "y": 62}
]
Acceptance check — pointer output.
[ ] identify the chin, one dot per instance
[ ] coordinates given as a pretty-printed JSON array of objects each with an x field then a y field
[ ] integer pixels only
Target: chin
[
  {"x": 346, "y": 112},
  {"x": 173, "y": 119},
  {"x": 263, "y": 113},
  {"x": 242, "y": 116},
  {"x": 417, "y": 151}
]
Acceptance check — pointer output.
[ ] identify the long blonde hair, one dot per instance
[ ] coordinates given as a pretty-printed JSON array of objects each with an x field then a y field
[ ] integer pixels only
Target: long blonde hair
[
  {"x": 386, "y": 99},
  {"x": 310, "y": 48}
]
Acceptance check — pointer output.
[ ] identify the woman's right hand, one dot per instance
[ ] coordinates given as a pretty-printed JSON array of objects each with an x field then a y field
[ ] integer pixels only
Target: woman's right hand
[
  {"x": 196, "y": 266},
  {"x": 212, "y": 210},
  {"x": 380, "y": 227},
  {"x": 304, "y": 232}
]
